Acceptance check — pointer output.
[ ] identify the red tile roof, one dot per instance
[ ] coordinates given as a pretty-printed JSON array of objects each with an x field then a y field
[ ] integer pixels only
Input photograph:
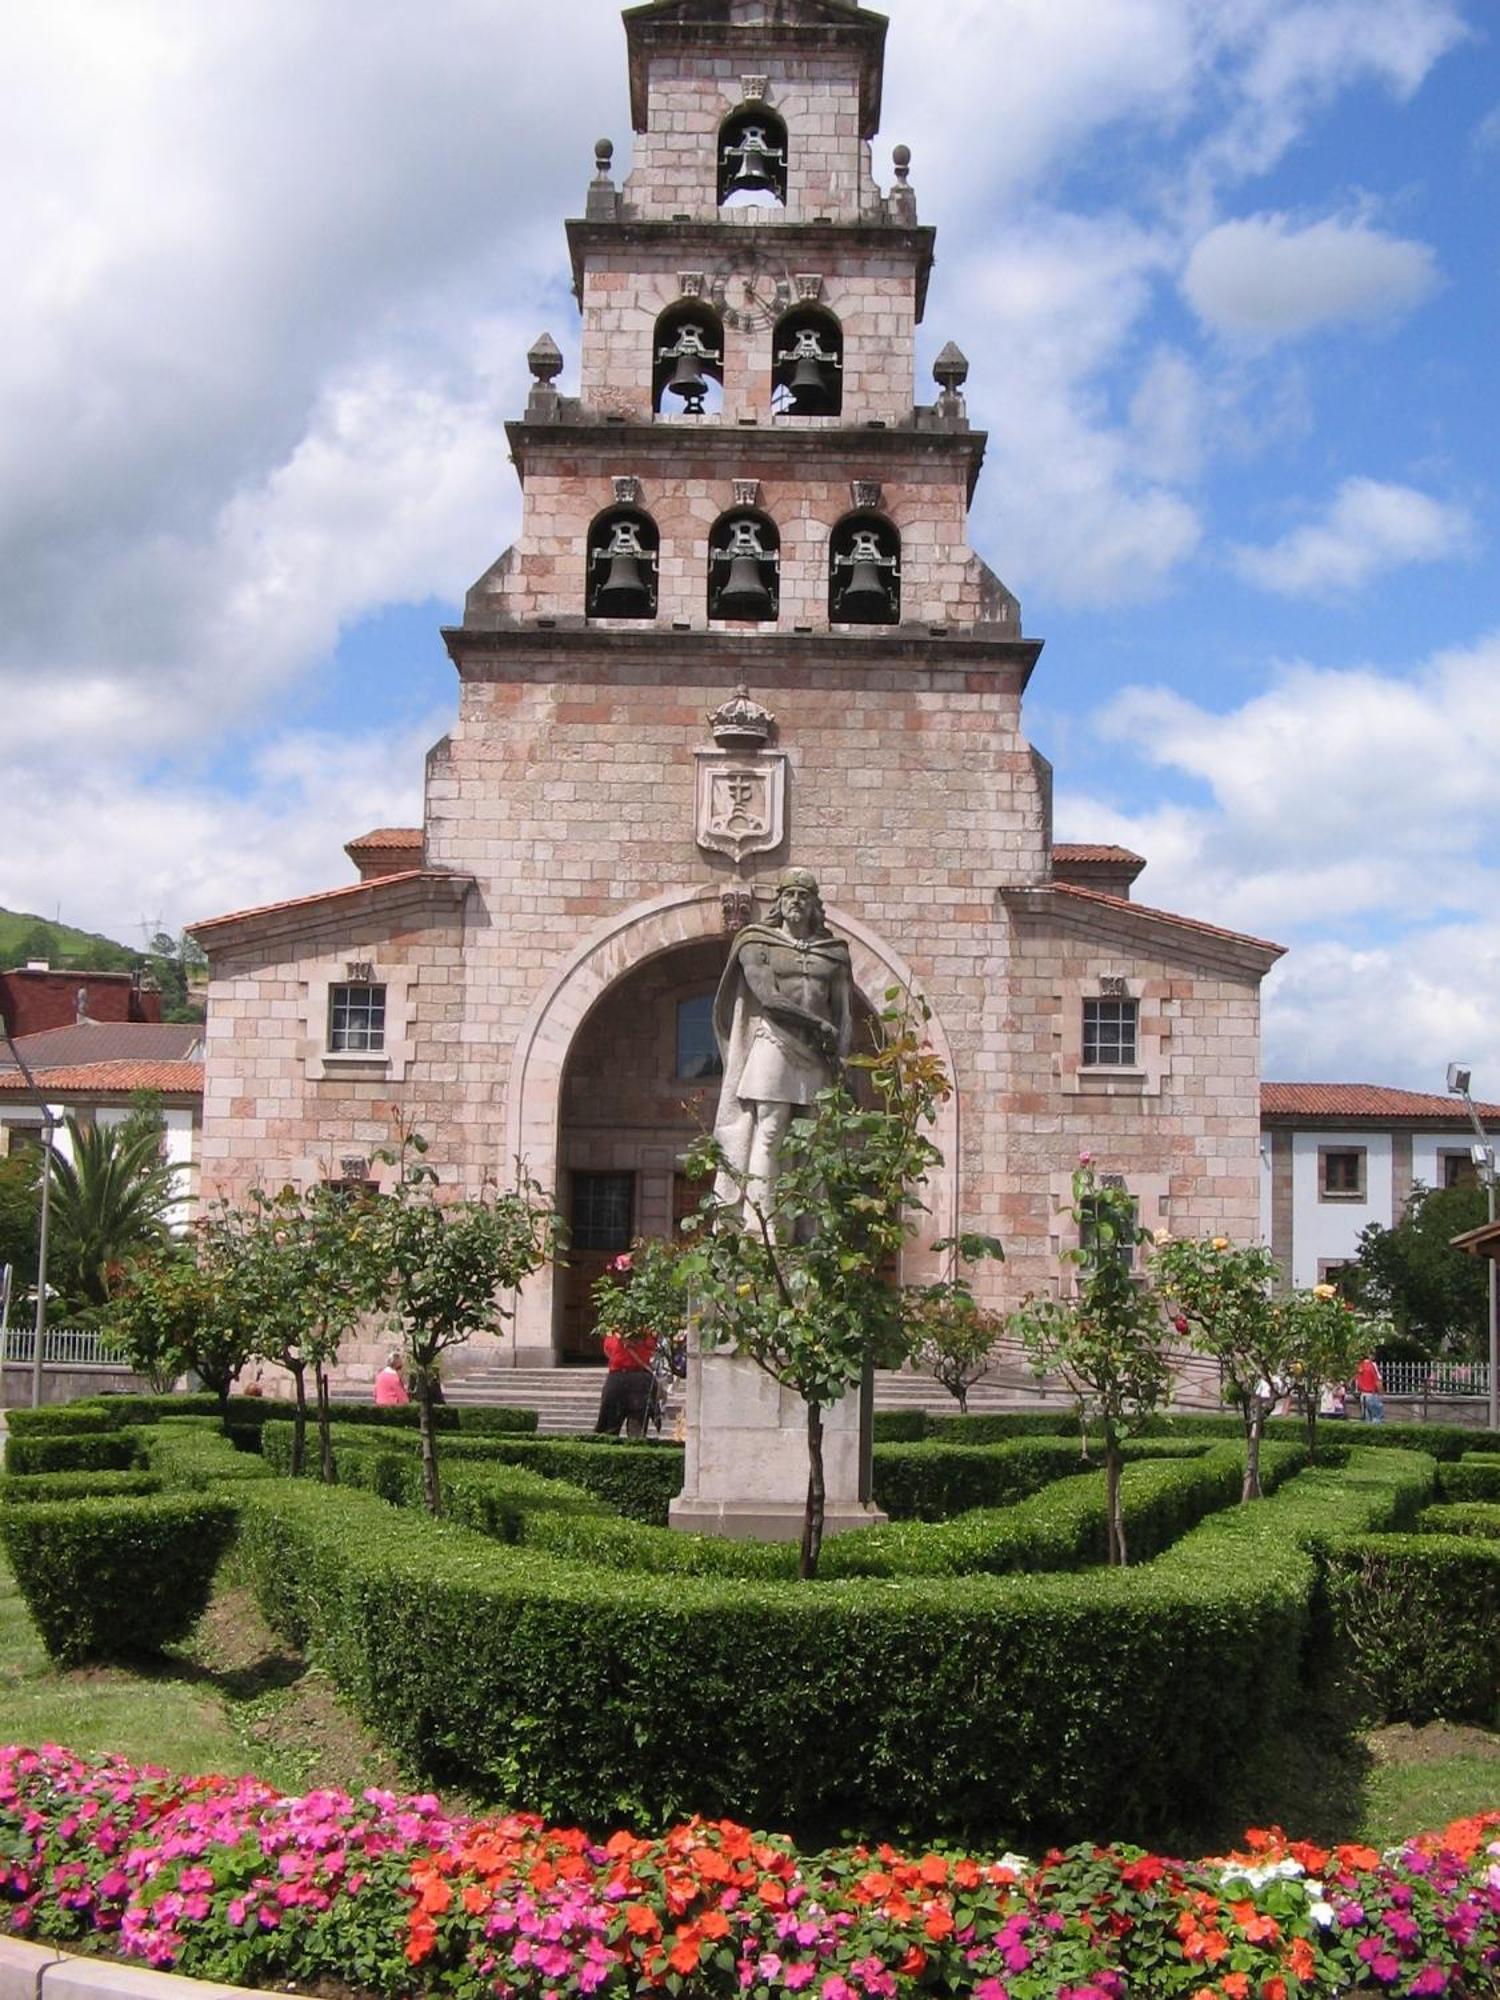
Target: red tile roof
[
  {"x": 106, "y": 1041},
  {"x": 111, "y": 1079},
  {"x": 400, "y": 837},
  {"x": 1075, "y": 891},
  {"x": 379, "y": 885},
  {"x": 1365, "y": 1100},
  {"x": 1073, "y": 852}
]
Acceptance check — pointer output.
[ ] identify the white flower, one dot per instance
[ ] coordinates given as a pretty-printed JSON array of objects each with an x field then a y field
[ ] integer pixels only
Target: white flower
[{"x": 1321, "y": 1914}]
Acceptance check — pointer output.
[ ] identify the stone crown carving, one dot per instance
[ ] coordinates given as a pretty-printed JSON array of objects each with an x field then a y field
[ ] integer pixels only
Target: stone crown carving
[{"x": 741, "y": 723}]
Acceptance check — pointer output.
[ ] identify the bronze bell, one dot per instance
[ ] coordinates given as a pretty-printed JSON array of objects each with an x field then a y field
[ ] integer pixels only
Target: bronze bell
[
  {"x": 867, "y": 598},
  {"x": 688, "y": 380},
  {"x": 813, "y": 380},
  {"x": 758, "y": 161},
  {"x": 626, "y": 589},
  {"x": 744, "y": 593}
]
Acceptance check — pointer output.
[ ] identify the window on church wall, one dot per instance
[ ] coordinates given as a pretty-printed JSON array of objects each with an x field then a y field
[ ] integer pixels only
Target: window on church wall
[
  {"x": 753, "y": 153},
  {"x": 744, "y": 567},
  {"x": 864, "y": 571},
  {"x": 807, "y": 364},
  {"x": 698, "y": 1058},
  {"x": 621, "y": 574},
  {"x": 356, "y": 1020},
  {"x": 687, "y": 361},
  {"x": 602, "y": 1211},
  {"x": 1111, "y": 1034},
  {"x": 1341, "y": 1173}
]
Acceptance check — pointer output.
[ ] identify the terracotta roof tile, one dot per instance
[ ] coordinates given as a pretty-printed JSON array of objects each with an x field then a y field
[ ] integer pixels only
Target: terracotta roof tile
[
  {"x": 1365, "y": 1100},
  {"x": 111, "y": 1079},
  {"x": 1076, "y": 891},
  {"x": 1075, "y": 851},
  {"x": 379, "y": 885},
  {"x": 400, "y": 838}
]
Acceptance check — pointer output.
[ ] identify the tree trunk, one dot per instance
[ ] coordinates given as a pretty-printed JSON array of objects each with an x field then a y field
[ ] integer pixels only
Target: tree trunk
[
  {"x": 963, "y": 1399},
  {"x": 1251, "y": 1489},
  {"x": 812, "y": 1524},
  {"x": 431, "y": 1491},
  {"x": 1112, "y": 1468},
  {"x": 1312, "y": 1423},
  {"x": 325, "y": 1434},
  {"x": 298, "y": 1370}
]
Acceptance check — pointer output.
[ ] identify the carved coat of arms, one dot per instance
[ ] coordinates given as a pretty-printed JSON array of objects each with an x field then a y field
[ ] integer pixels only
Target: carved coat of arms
[{"x": 742, "y": 784}]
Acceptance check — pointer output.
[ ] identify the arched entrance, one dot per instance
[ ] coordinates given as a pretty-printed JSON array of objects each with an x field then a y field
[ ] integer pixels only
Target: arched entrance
[{"x": 596, "y": 1089}]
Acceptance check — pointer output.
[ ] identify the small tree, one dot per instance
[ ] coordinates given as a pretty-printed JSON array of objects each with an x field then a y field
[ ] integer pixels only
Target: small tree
[
  {"x": 299, "y": 1274},
  {"x": 800, "y": 1288},
  {"x": 174, "y": 1311},
  {"x": 1108, "y": 1341},
  {"x": 444, "y": 1263},
  {"x": 1325, "y": 1337},
  {"x": 1437, "y": 1297},
  {"x": 1222, "y": 1302},
  {"x": 950, "y": 1334}
]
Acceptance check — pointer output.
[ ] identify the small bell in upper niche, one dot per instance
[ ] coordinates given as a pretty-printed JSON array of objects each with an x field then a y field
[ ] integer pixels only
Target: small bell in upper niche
[{"x": 690, "y": 353}]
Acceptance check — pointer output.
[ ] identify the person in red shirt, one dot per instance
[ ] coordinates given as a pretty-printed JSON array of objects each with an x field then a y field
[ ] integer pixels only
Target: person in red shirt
[
  {"x": 626, "y": 1401},
  {"x": 1371, "y": 1391},
  {"x": 389, "y": 1388}
]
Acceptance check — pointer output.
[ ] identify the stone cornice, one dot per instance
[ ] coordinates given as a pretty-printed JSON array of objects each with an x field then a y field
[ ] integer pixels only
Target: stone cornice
[
  {"x": 1134, "y": 925},
  {"x": 711, "y": 243},
  {"x": 831, "y": 660},
  {"x": 739, "y": 445}
]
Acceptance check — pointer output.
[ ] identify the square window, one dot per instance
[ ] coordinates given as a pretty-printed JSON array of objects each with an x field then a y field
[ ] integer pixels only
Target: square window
[
  {"x": 1110, "y": 1033},
  {"x": 1341, "y": 1173},
  {"x": 602, "y": 1211},
  {"x": 1458, "y": 1170},
  {"x": 356, "y": 1020},
  {"x": 698, "y": 1058}
]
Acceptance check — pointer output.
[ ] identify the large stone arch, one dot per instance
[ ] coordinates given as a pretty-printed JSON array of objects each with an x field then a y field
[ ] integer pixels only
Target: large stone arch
[{"x": 614, "y": 948}]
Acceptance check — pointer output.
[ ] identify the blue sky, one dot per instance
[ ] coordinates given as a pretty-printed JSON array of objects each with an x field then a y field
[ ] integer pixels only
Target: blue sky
[{"x": 1227, "y": 272}]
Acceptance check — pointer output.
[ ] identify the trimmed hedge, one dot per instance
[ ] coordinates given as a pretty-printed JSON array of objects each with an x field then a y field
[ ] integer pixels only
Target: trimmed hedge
[
  {"x": 186, "y": 1457},
  {"x": 116, "y": 1578},
  {"x": 1134, "y": 1700},
  {"x": 1461, "y": 1517},
  {"x": 31, "y": 1486},
  {"x": 1417, "y": 1624},
  {"x": 81, "y": 1451},
  {"x": 898, "y": 1426},
  {"x": 933, "y": 1482},
  {"x": 1441, "y": 1441},
  {"x": 61, "y": 1419},
  {"x": 1476, "y": 1477},
  {"x": 495, "y": 1500}
]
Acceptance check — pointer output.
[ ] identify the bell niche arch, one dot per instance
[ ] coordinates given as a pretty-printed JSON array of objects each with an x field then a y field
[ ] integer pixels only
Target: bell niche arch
[
  {"x": 744, "y": 566},
  {"x": 807, "y": 364},
  {"x": 628, "y": 978},
  {"x": 753, "y": 153},
  {"x": 620, "y": 574},
  {"x": 687, "y": 368},
  {"x": 864, "y": 571}
]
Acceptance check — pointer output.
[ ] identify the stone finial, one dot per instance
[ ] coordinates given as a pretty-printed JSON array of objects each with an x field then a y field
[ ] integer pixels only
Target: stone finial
[
  {"x": 901, "y": 160},
  {"x": 545, "y": 359},
  {"x": 741, "y": 723},
  {"x": 604, "y": 153},
  {"x": 738, "y": 905},
  {"x": 951, "y": 370}
]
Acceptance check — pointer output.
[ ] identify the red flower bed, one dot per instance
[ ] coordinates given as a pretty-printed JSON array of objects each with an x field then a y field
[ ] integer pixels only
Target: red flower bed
[{"x": 229, "y": 1880}]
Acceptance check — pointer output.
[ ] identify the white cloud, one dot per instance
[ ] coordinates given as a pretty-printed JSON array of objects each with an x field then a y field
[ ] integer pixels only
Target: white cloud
[
  {"x": 1263, "y": 278},
  {"x": 1369, "y": 529}
]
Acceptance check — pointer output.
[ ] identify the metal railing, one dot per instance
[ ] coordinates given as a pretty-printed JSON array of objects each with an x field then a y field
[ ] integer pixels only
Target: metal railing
[
  {"x": 62, "y": 1347},
  {"x": 1436, "y": 1378}
]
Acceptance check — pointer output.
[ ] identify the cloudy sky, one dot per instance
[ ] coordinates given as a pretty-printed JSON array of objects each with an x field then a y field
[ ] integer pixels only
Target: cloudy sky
[{"x": 1228, "y": 274}]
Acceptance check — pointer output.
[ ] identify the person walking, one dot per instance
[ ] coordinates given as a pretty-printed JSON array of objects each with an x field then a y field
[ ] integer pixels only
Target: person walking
[
  {"x": 389, "y": 1387},
  {"x": 1367, "y": 1381}
]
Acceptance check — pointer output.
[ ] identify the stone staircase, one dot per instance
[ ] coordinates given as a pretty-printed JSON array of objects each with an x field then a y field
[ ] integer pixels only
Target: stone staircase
[{"x": 567, "y": 1399}]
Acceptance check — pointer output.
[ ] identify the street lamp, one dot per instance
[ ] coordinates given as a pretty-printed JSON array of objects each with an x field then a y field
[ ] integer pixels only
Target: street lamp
[
  {"x": 1483, "y": 1155},
  {"x": 49, "y": 1128}
]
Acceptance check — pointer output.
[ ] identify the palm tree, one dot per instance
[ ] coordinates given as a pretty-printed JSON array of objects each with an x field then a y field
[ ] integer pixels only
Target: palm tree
[{"x": 109, "y": 1201}]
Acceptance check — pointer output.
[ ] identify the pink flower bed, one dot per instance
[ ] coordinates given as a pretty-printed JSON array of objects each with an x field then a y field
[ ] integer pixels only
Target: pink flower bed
[{"x": 227, "y": 1879}]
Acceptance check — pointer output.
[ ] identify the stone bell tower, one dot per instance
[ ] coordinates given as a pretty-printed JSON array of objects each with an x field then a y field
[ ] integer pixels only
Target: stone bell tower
[{"x": 741, "y": 630}]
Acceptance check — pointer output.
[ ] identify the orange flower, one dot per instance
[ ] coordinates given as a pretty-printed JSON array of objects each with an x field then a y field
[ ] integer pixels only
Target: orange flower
[
  {"x": 914, "y": 1964},
  {"x": 640, "y": 1921},
  {"x": 937, "y": 1922},
  {"x": 1313, "y": 1859},
  {"x": 1302, "y": 1960},
  {"x": 966, "y": 1874},
  {"x": 714, "y": 1924},
  {"x": 1215, "y": 1946},
  {"x": 1258, "y": 1929},
  {"x": 683, "y": 1957},
  {"x": 1274, "y": 1988},
  {"x": 1358, "y": 1859},
  {"x": 436, "y": 1896},
  {"x": 476, "y": 1899},
  {"x": 1236, "y": 1985},
  {"x": 934, "y": 1870}
]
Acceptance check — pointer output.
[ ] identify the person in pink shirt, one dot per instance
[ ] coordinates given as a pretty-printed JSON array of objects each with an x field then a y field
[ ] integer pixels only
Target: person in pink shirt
[{"x": 389, "y": 1387}]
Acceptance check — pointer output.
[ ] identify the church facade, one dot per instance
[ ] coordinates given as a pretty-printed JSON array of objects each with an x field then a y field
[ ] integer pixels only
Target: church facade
[{"x": 741, "y": 631}]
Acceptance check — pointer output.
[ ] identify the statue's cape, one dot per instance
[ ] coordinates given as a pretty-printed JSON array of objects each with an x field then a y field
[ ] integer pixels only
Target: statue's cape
[{"x": 736, "y": 1015}]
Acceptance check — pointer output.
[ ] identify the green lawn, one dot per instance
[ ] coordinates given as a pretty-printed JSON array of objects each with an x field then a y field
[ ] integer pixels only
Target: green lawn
[{"x": 236, "y": 1701}]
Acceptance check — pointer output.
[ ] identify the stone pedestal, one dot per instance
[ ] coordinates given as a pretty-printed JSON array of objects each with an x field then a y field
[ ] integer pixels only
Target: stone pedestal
[{"x": 746, "y": 1473}]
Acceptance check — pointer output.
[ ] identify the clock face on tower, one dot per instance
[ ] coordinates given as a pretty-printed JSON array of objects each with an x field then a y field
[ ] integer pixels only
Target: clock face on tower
[{"x": 752, "y": 291}]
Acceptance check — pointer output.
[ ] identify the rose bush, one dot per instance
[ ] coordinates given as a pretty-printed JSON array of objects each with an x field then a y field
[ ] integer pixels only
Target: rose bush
[{"x": 225, "y": 1878}]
